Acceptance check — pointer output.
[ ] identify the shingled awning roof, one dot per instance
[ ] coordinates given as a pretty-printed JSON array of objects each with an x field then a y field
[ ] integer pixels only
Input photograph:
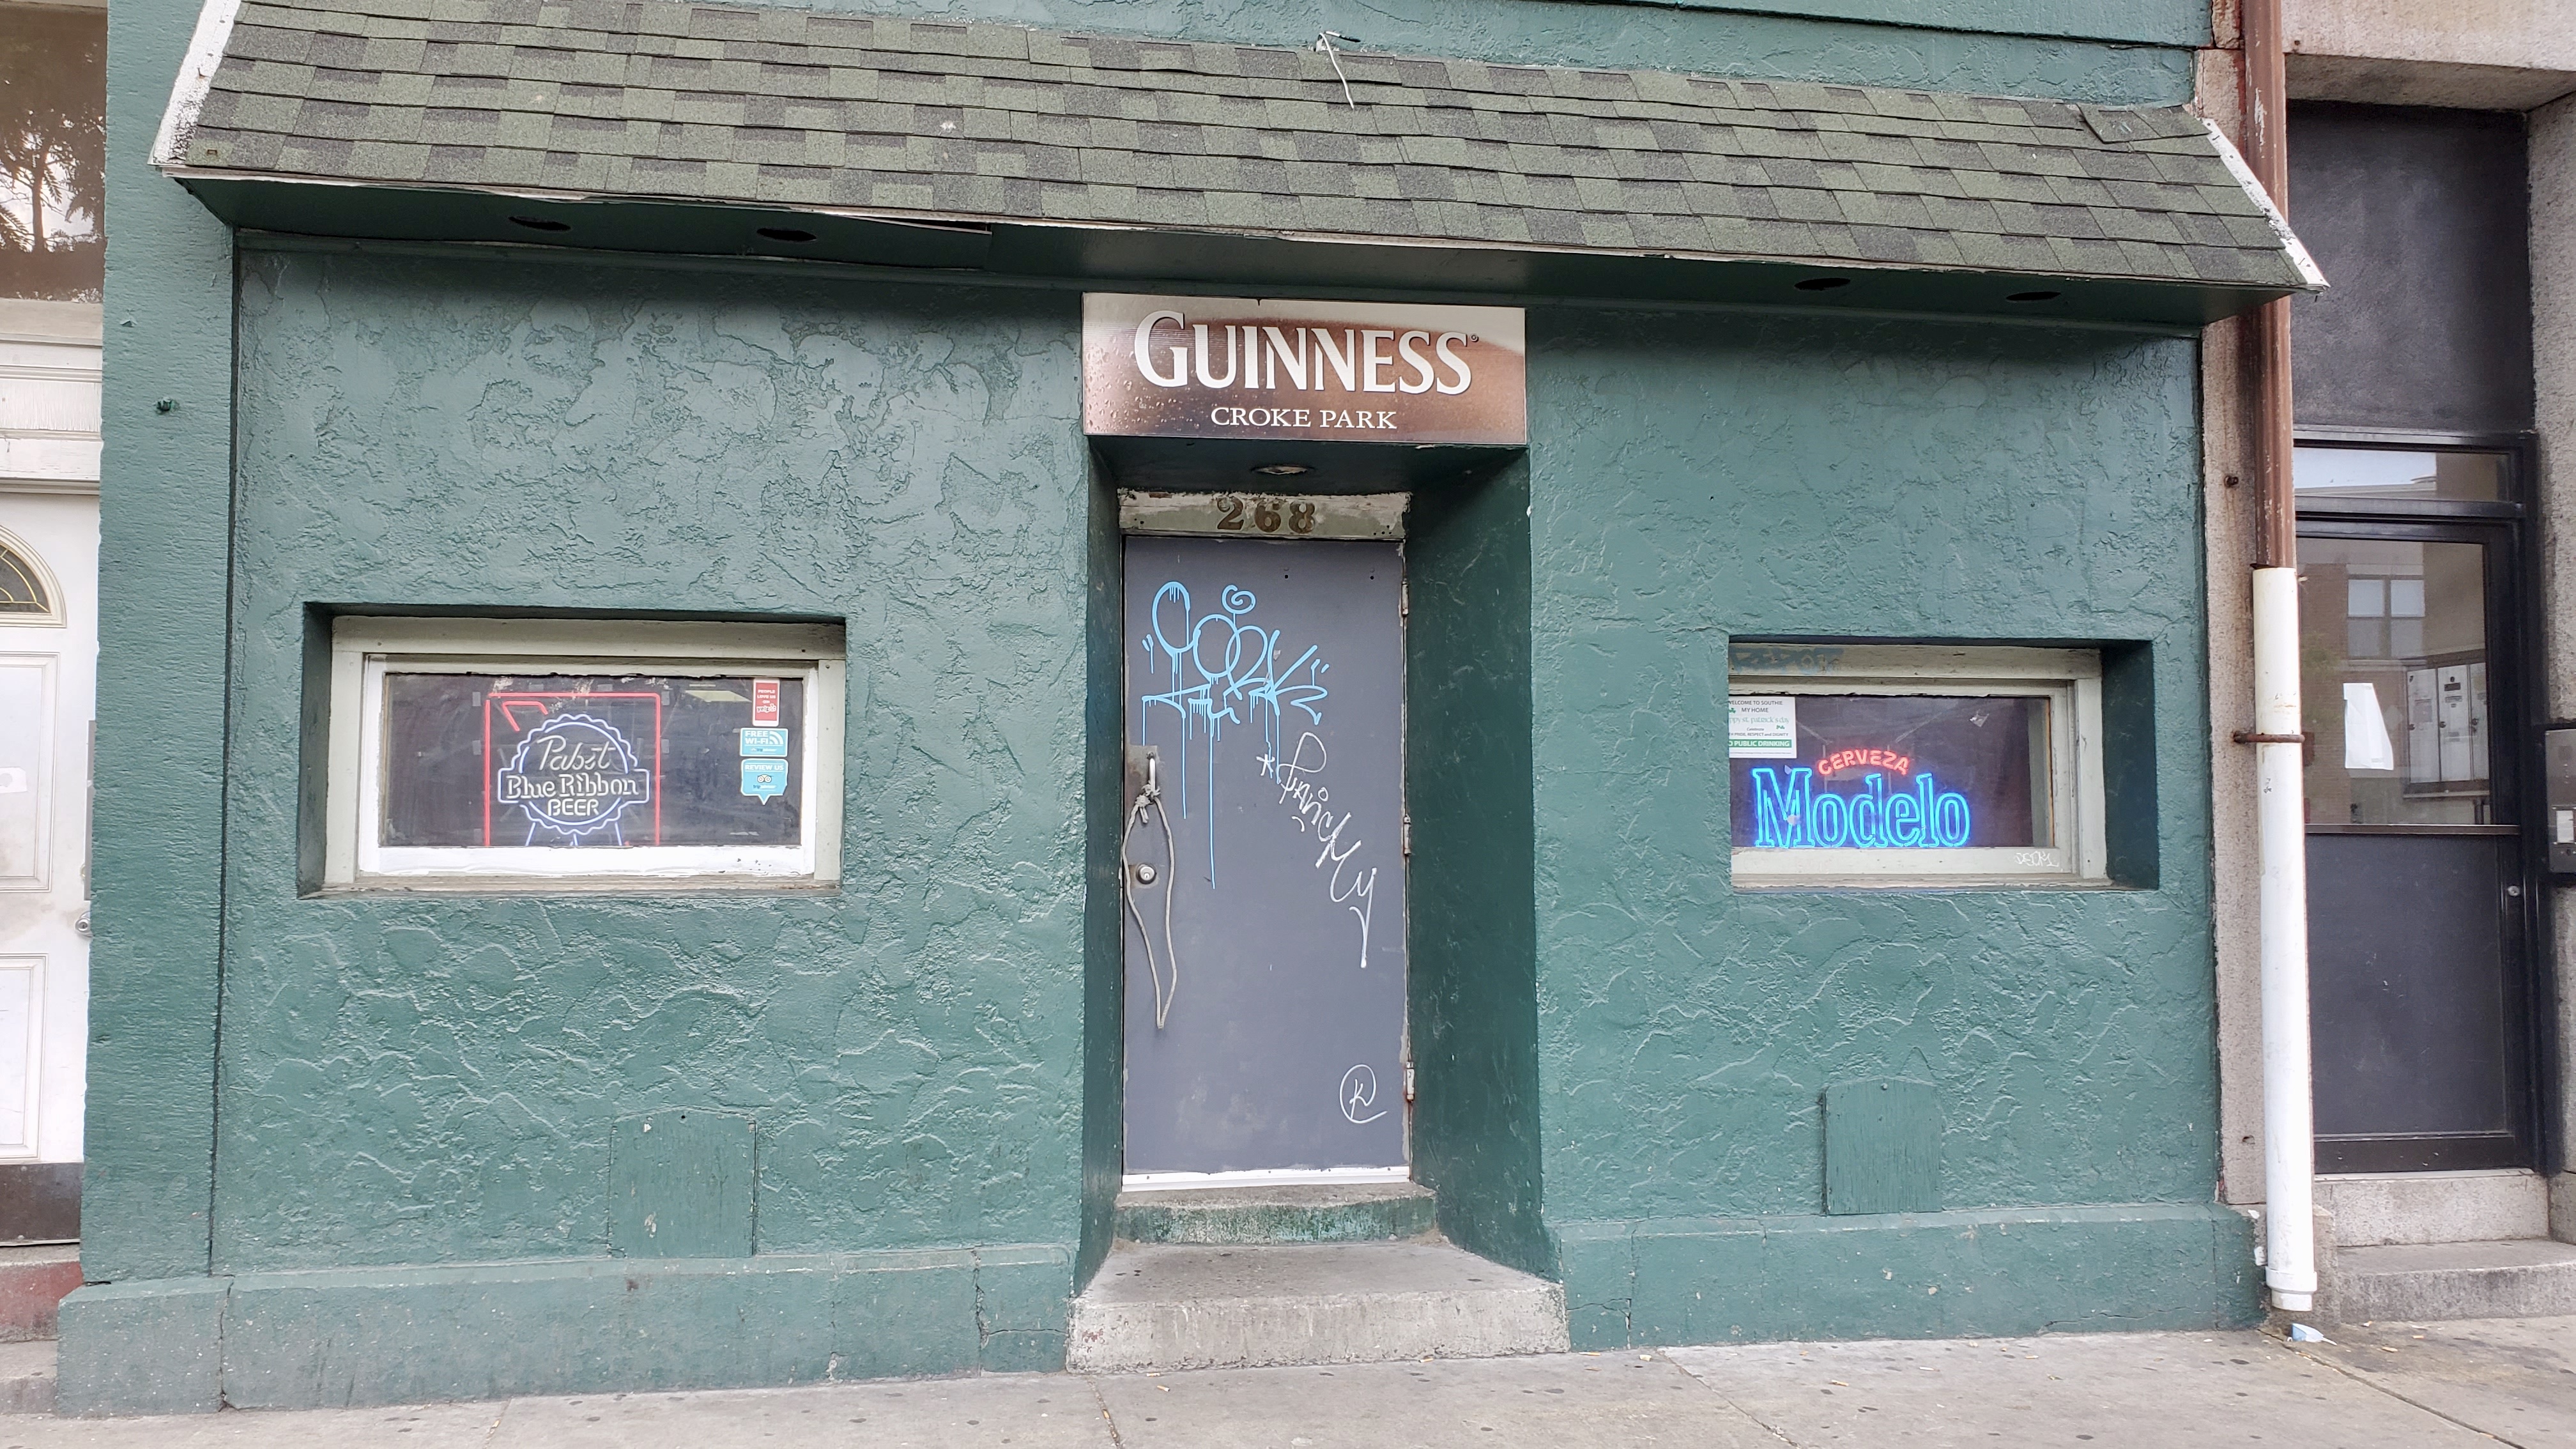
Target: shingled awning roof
[{"x": 975, "y": 126}]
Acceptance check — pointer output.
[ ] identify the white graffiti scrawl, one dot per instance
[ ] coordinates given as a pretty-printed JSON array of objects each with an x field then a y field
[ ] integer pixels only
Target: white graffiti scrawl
[
  {"x": 1300, "y": 781},
  {"x": 1359, "y": 1093}
]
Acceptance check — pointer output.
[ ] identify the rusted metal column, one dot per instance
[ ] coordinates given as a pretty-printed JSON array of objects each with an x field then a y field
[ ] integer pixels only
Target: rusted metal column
[
  {"x": 2289, "y": 1114},
  {"x": 2267, "y": 151}
]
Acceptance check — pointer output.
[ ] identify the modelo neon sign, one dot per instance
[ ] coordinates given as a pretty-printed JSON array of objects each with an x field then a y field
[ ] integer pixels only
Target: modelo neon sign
[{"x": 1793, "y": 814}]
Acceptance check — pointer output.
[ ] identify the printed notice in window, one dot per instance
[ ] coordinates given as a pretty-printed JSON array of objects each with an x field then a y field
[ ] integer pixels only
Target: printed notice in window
[
  {"x": 1900, "y": 772},
  {"x": 1762, "y": 727}
]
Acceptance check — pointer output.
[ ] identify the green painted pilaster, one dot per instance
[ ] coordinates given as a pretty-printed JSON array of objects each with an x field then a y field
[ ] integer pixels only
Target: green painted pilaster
[
  {"x": 1473, "y": 935},
  {"x": 164, "y": 554},
  {"x": 1104, "y": 966}
]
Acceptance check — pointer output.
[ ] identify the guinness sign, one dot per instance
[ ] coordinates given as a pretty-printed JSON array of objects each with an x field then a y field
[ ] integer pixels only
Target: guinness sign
[{"x": 1228, "y": 367}]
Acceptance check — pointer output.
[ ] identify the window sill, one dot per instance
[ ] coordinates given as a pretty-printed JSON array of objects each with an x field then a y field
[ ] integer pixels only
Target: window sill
[
  {"x": 689, "y": 885},
  {"x": 1845, "y": 885}
]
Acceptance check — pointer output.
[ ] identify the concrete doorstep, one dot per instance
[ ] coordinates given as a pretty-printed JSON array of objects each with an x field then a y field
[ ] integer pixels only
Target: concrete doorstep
[
  {"x": 2515, "y": 1278},
  {"x": 2423, "y": 1386},
  {"x": 1169, "y": 1306}
]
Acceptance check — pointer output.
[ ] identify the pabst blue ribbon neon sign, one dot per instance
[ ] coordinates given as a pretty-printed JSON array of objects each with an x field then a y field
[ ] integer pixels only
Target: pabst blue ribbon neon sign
[{"x": 573, "y": 776}]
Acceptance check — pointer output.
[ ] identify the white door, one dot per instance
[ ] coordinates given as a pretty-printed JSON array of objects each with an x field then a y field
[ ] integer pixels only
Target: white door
[
  {"x": 53, "y": 79},
  {"x": 48, "y": 677}
]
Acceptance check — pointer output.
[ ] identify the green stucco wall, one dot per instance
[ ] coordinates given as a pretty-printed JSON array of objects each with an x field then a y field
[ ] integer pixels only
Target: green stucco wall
[
  {"x": 419, "y": 434},
  {"x": 435, "y": 1079},
  {"x": 1706, "y": 478},
  {"x": 397, "y": 1191},
  {"x": 1621, "y": 1056},
  {"x": 2108, "y": 51}
]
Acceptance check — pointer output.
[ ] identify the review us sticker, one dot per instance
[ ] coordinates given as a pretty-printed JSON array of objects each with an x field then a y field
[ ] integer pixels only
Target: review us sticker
[{"x": 764, "y": 780}]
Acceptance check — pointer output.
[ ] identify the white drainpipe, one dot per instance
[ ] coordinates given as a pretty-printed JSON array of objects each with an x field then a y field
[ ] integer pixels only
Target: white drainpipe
[
  {"x": 2289, "y": 1113},
  {"x": 2289, "y": 1119}
]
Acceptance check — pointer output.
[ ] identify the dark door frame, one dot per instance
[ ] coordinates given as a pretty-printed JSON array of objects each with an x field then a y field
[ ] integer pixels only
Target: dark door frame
[{"x": 2514, "y": 632}]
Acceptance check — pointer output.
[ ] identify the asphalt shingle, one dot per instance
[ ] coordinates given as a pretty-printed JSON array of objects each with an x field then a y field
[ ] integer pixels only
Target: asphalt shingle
[{"x": 773, "y": 106}]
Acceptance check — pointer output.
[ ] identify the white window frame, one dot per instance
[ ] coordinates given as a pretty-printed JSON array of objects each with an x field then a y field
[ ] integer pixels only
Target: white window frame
[
  {"x": 365, "y": 649},
  {"x": 43, "y": 570},
  {"x": 2070, "y": 679}
]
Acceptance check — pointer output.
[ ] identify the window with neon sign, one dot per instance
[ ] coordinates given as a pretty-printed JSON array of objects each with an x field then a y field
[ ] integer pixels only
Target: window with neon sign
[
  {"x": 1887, "y": 762},
  {"x": 591, "y": 762},
  {"x": 1896, "y": 772},
  {"x": 575, "y": 753}
]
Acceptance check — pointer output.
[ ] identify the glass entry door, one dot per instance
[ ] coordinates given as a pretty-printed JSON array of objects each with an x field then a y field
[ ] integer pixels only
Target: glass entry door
[{"x": 2417, "y": 910}]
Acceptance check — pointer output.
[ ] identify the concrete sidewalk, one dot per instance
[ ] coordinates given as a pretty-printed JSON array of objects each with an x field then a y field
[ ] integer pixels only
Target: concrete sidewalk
[{"x": 2472, "y": 1383}]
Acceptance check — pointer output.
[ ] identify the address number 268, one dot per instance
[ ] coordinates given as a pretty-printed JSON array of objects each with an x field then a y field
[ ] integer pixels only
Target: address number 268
[{"x": 1256, "y": 514}]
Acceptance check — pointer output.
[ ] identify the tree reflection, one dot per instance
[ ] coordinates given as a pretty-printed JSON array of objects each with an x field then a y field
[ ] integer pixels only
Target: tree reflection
[{"x": 53, "y": 153}]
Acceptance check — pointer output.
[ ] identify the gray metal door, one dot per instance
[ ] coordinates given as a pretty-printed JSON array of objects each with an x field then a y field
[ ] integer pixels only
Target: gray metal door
[{"x": 1265, "y": 931}]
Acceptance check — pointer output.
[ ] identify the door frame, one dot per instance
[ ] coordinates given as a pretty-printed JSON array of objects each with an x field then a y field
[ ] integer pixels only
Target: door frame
[
  {"x": 1169, "y": 521},
  {"x": 2515, "y": 714}
]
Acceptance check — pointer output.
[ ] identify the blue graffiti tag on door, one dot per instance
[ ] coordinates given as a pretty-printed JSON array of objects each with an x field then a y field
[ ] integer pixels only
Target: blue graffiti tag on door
[{"x": 1269, "y": 679}]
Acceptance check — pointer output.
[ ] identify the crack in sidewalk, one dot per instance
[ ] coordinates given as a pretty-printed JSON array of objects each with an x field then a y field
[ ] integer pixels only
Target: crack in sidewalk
[
  {"x": 2367, "y": 1382},
  {"x": 1116, "y": 1440},
  {"x": 1723, "y": 1397}
]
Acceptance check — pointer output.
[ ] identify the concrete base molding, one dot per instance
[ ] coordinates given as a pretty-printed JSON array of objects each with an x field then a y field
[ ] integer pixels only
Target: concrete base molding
[
  {"x": 426, "y": 1334},
  {"x": 1908, "y": 1275},
  {"x": 1164, "y": 1306}
]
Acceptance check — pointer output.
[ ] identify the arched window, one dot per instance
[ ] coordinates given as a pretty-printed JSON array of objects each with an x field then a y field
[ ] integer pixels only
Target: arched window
[{"x": 22, "y": 587}]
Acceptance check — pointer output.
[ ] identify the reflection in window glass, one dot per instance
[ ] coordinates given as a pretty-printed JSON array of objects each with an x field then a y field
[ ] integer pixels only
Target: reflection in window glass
[
  {"x": 2385, "y": 475},
  {"x": 2393, "y": 665},
  {"x": 1896, "y": 772},
  {"x": 20, "y": 593},
  {"x": 592, "y": 762},
  {"x": 53, "y": 152}
]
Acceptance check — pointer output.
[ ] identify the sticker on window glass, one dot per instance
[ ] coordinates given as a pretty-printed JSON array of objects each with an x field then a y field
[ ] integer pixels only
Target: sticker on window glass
[
  {"x": 764, "y": 780},
  {"x": 1900, "y": 772},
  {"x": 1762, "y": 726},
  {"x": 589, "y": 762}
]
